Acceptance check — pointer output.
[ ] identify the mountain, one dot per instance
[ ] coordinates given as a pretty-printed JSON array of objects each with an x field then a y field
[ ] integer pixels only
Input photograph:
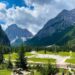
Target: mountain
[
  {"x": 17, "y": 42},
  {"x": 55, "y": 30},
  {"x": 16, "y": 33},
  {"x": 3, "y": 38}
]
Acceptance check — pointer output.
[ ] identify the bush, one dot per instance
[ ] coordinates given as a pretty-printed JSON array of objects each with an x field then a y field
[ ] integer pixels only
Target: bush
[{"x": 48, "y": 69}]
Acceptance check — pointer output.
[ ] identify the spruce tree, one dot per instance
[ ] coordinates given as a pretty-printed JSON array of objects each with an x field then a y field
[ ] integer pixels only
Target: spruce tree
[
  {"x": 22, "y": 62},
  {"x": 9, "y": 65},
  {"x": 1, "y": 57}
]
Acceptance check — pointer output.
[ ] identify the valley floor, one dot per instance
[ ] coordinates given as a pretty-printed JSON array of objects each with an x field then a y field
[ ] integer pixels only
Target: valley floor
[{"x": 61, "y": 59}]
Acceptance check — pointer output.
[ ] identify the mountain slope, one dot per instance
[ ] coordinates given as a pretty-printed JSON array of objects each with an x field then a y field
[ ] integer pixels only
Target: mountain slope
[
  {"x": 15, "y": 33},
  {"x": 3, "y": 38},
  {"x": 55, "y": 30},
  {"x": 59, "y": 38},
  {"x": 17, "y": 42}
]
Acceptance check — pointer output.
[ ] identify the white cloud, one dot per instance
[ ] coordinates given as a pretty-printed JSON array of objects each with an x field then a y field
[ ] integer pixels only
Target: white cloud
[
  {"x": 30, "y": 19},
  {"x": 2, "y": 6},
  {"x": 35, "y": 19}
]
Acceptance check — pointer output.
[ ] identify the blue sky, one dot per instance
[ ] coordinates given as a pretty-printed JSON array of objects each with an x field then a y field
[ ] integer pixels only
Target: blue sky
[
  {"x": 31, "y": 14},
  {"x": 10, "y": 3}
]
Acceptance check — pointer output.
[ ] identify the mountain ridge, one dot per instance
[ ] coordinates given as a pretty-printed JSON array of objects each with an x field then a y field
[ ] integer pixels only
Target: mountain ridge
[
  {"x": 53, "y": 28},
  {"x": 14, "y": 31}
]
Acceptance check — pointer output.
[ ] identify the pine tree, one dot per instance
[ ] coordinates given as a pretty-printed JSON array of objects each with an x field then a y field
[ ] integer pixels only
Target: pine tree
[
  {"x": 10, "y": 65},
  {"x": 1, "y": 57},
  {"x": 22, "y": 62}
]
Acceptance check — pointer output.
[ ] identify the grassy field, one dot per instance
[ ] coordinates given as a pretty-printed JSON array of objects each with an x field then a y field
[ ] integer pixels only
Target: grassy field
[
  {"x": 42, "y": 60},
  {"x": 55, "y": 53},
  {"x": 37, "y": 73},
  {"x": 5, "y": 72},
  {"x": 32, "y": 58},
  {"x": 72, "y": 60},
  {"x": 14, "y": 56},
  {"x": 58, "y": 53},
  {"x": 28, "y": 54},
  {"x": 63, "y": 53},
  {"x": 73, "y": 54}
]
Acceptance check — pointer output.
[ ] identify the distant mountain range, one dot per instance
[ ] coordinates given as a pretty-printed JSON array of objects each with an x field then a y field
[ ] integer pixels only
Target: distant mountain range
[
  {"x": 59, "y": 30},
  {"x": 3, "y": 38},
  {"x": 17, "y": 35}
]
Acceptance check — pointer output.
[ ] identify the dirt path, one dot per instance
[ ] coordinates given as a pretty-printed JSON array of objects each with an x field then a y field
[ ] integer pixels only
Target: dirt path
[{"x": 60, "y": 60}]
